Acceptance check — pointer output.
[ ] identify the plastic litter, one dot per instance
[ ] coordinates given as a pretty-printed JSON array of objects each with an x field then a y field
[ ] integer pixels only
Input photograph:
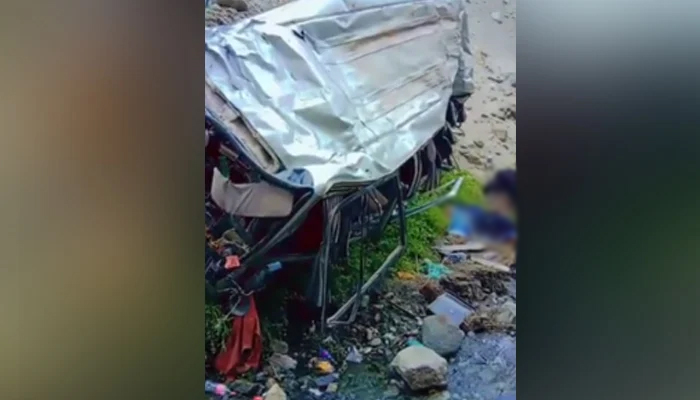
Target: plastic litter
[
  {"x": 326, "y": 355},
  {"x": 354, "y": 355},
  {"x": 435, "y": 270},
  {"x": 326, "y": 380},
  {"x": 455, "y": 258},
  {"x": 406, "y": 276},
  {"x": 324, "y": 367},
  {"x": 413, "y": 342},
  {"x": 453, "y": 309},
  {"x": 217, "y": 389}
]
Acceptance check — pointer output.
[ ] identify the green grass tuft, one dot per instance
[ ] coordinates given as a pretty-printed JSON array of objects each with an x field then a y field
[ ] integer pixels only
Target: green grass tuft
[{"x": 422, "y": 232}]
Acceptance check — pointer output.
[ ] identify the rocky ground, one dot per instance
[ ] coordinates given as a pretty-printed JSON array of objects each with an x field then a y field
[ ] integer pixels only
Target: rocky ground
[{"x": 398, "y": 349}]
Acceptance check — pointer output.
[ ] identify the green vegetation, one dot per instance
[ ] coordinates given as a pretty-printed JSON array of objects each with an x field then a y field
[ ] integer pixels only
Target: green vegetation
[
  {"x": 422, "y": 231},
  {"x": 217, "y": 327}
]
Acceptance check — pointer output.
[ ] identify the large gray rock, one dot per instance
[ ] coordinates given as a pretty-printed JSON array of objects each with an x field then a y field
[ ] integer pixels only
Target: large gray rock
[
  {"x": 421, "y": 368},
  {"x": 441, "y": 336}
]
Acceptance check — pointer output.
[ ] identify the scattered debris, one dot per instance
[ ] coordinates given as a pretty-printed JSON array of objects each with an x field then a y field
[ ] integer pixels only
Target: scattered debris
[
  {"x": 497, "y": 79},
  {"x": 430, "y": 291},
  {"x": 282, "y": 362},
  {"x": 406, "y": 276},
  {"x": 492, "y": 318},
  {"x": 453, "y": 248},
  {"x": 375, "y": 342},
  {"x": 326, "y": 380},
  {"x": 326, "y": 355},
  {"x": 354, "y": 356},
  {"x": 246, "y": 388},
  {"x": 332, "y": 388},
  {"x": 449, "y": 307},
  {"x": 279, "y": 347},
  {"x": 316, "y": 392},
  {"x": 455, "y": 258},
  {"x": 324, "y": 367},
  {"x": 217, "y": 389},
  {"x": 275, "y": 393},
  {"x": 435, "y": 270},
  {"x": 421, "y": 368},
  {"x": 491, "y": 264}
]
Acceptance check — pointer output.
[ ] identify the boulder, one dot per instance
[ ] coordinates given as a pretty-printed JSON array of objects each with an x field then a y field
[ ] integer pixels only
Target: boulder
[
  {"x": 421, "y": 368},
  {"x": 439, "y": 335}
]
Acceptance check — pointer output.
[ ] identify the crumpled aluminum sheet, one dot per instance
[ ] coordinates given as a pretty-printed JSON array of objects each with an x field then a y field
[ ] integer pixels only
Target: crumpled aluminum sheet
[{"x": 347, "y": 90}]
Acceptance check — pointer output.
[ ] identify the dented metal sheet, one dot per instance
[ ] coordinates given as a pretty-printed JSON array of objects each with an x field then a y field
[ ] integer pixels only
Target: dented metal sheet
[{"x": 347, "y": 90}]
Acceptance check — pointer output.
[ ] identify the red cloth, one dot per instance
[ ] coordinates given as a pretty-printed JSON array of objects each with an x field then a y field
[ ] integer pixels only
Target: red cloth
[{"x": 244, "y": 346}]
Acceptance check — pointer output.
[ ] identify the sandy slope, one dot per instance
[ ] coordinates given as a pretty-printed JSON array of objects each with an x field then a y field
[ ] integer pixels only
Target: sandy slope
[{"x": 488, "y": 140}]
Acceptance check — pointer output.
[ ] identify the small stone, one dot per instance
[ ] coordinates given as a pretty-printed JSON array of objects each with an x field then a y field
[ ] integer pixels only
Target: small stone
[
  {"x": 279, "y": 346},
  {"x": 370, "y": 334},
  {"x": 471, "y": 334},
  {"x": 440, "y": 396},
  {"x": 246, "y": 387},
  {"x": 496, "y": 16},
  {"x": 392, "y": 329},
  {"x": 365, "y": 301},
  {"x": 282, "y": 361},
  {"x": 391, "y": 391},
  {"x": 501, "y": 134},
  {"x": 479, "y": 144},
  {"x": 367, "y": 350},
  {"x": 316, "y": 392},
  {"x": 377, "y": 317},
  {"x": 389, "y": 337},
  {"x": 421, "y": 368},
  {"x": 375, "y": 342},
  {"x": 275, "y": 393},
  {"x": 332, "y": 388},
  {"x": 389, "y": 295},
  {"x": 472, "y": 158},
  {"x": 506, "y": 313}
]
